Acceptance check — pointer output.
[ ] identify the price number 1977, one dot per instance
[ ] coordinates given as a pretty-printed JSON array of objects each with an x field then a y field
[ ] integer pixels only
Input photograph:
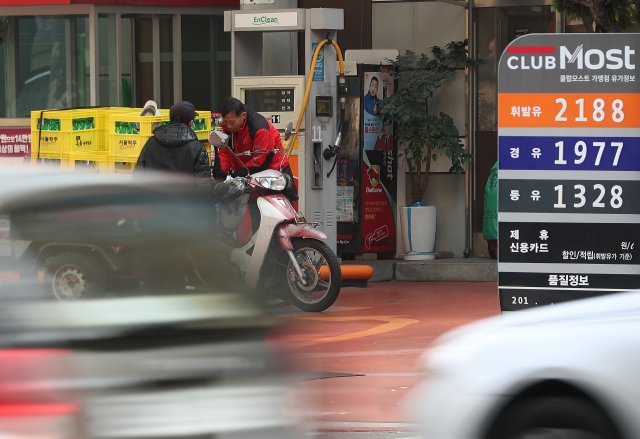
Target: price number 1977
[{"x": 580, "y": 152}]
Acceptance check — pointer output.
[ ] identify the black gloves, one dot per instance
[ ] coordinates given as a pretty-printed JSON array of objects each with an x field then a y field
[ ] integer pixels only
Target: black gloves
[
  {"x": 240, "y": 173},
  {"x": 228, "y": 190}
]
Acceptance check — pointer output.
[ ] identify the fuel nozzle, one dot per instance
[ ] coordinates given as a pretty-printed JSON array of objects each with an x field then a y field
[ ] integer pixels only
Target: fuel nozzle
[
  {"x": 332, "y": 150},
  {"x": 342, "y": 89}
]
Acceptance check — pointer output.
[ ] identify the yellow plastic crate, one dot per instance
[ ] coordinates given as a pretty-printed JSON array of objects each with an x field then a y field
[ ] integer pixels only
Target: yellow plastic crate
[
  {"x": 202, "y": 124},
  {"x": 78, "y": 131},
  {"x": 83, "y": 162},
  {"x": 128, "y": 132},
  {"x": 64, "y": 131},
  {"x": 50, "y": 160},
  {"x": 120, "y": 165}
]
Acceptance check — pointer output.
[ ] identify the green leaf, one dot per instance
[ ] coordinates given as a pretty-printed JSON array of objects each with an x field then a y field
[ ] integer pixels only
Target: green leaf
[{"x": 419, "y": 77}]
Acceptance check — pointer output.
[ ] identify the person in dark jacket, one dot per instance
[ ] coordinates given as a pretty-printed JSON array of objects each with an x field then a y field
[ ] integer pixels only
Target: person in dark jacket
[{"x": 175, "y": 147}]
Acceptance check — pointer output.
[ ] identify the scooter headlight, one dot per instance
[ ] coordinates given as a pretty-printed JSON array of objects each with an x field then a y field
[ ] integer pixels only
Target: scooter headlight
[{"x": 274, "y": 183}]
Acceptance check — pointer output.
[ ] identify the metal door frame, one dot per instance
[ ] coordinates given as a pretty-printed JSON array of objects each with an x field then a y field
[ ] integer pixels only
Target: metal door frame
[{"x": 472, "y": 27}]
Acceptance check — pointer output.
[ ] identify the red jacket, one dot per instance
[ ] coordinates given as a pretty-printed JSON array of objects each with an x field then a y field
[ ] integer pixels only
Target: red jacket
[{"x": 256, "y": 135}]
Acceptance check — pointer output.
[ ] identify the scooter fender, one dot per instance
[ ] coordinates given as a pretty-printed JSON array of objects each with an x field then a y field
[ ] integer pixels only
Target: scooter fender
[{"x": 288, "y": 231}]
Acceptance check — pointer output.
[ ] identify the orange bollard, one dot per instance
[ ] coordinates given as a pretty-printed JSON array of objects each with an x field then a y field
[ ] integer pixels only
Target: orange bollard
[{"x": 349, "y": 272}]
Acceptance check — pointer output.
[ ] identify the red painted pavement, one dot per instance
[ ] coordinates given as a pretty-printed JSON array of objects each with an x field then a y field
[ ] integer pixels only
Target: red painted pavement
[{"x": 377, "y": 334}]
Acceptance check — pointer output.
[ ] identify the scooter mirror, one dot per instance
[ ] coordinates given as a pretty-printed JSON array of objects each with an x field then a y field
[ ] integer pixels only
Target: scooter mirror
[{"x": 218, "y": 139}]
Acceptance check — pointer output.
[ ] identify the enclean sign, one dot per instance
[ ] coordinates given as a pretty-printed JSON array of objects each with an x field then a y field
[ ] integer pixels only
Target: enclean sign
[{"x": 270, "y": 19}]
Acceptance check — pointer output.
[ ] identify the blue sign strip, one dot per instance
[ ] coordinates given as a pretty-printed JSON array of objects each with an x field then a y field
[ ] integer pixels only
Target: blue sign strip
[
  {"x": 318, "y": 72},
  {"x": 570, "y": 153}
]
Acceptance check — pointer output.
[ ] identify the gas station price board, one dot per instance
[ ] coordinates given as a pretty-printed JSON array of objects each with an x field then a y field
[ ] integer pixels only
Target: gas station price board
[{"x": 569, "y": 168}]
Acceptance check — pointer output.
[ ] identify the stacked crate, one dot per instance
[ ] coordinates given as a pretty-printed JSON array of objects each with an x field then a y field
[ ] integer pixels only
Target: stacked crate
[
  {"x": 128, "y": 133},
  {"x": 107, "y": 139},
  {"x": 71, "y": 138}
]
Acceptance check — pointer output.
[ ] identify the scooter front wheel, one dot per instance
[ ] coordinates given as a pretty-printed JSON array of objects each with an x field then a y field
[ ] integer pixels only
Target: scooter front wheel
[{"x": 321, "y": 277}]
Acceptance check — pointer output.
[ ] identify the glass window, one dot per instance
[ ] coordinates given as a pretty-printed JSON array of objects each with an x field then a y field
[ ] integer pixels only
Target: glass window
[
  {"x": 108, "y": 95},
  {"x": 4, "y": 26},
  {"x": 126, "y": 60},
  {"x": 487, "y": 44},
  {"x": 496, "y": 28},
  {"x": 45, "y": 60},
  {"x": 206, "y": 61},
  {"x": 586, "y": 25},
  {"x": 143, "y": 42},
  {"x": 166, "y": 61}
]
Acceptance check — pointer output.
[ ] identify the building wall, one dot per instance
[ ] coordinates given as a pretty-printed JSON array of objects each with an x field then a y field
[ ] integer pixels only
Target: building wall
[
  {"x": 357, "y": 19},
  {"x": 418, "y": 26}
]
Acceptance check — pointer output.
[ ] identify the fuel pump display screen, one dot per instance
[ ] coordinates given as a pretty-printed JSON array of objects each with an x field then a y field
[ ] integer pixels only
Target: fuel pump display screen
[
  {"x": 270, "y": 99},
  {"x": 324, "y": 106}
]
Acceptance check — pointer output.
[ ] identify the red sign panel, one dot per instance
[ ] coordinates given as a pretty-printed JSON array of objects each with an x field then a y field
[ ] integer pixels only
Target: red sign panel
[
  {"x": 378, "y": 223},
  {"x": 15, "y": 142},
  {"x": 216, "y": 3}
]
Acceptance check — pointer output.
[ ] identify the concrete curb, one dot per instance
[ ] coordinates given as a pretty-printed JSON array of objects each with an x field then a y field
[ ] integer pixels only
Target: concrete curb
[{"x": 450, "y": 269}]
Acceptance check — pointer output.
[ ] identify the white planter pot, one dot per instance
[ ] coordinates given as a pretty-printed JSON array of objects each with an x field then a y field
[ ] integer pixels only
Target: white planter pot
[{"x": 418, "y": 232}]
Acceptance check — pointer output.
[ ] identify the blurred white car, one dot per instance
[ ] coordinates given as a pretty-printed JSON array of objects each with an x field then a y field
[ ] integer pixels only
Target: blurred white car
[{"x": 567, "y": 371}]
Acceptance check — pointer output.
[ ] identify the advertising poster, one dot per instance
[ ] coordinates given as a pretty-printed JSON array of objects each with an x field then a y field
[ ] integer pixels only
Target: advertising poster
[
  {"x": 348, "y": 168},
  {"x": 377, "y": 86},
  {"x": 15, "y": 142},
  {"x": 379, "y": 168},
  {"x": 569, "y": 168},
  {"x": 344, "y": 204},
  {"x": 372, "y": 121},
  {"x": 378, "y": 212}
]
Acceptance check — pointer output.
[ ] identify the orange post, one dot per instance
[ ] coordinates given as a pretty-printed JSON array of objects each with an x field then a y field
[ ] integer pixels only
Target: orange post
[{"x": 349, "y": 272}]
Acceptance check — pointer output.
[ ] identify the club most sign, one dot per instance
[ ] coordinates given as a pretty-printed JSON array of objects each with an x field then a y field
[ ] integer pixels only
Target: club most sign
[{"x": 569, "y": 168}]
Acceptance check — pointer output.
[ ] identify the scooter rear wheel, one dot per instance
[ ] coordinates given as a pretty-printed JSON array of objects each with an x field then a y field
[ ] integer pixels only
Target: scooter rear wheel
[{"x": 322, "y": 279}]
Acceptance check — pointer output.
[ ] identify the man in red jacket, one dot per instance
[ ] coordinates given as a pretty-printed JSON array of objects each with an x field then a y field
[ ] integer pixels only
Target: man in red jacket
[{"x": 255, "y": 141}]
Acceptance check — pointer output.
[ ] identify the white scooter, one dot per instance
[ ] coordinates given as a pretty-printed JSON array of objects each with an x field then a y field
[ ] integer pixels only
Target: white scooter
[{"x": 285, "y": 251}]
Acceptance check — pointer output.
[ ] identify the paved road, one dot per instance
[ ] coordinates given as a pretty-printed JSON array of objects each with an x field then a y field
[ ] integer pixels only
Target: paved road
[
  {"x": 363, "y": 435},
  {"x": 357, "y": 361}
]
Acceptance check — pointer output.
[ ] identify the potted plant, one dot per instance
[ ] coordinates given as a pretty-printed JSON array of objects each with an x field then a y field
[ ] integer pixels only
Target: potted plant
[{"x": 420, "y": 133}]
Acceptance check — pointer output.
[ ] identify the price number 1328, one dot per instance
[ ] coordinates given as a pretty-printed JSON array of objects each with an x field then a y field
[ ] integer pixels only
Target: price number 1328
[
  {"x": 598, "y": 110},
  {"x": 599, "y": 192}
]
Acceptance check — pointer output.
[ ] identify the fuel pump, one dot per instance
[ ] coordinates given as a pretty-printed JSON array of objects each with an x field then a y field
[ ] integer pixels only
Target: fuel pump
[{"x": 299, "y": 93}]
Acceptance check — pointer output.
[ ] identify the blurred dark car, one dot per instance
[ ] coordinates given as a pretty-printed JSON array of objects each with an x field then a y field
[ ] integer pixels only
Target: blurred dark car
[
  {"x": 91, "y": 234},
  {"x": 157, "y": 347}
]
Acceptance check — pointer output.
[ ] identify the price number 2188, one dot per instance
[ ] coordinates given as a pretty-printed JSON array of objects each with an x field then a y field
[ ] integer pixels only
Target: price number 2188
[{"x": 600, "y": 110}]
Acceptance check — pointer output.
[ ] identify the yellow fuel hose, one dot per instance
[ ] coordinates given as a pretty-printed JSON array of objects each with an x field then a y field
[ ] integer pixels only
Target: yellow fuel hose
[{"x": 307, "y": 90}]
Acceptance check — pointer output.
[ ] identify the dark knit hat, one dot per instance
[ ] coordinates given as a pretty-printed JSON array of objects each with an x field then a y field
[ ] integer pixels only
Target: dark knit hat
[{"x": 184, "y": 111}]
